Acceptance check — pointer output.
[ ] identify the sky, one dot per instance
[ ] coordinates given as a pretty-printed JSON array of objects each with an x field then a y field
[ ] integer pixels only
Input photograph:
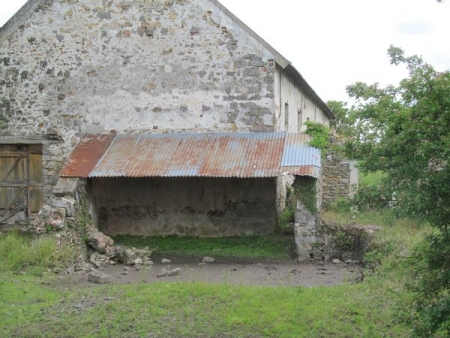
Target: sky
[{"x": 334, "y": 43}]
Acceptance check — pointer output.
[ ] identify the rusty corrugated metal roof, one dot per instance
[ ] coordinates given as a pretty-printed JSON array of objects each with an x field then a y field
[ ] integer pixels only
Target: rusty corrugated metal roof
[
  {"x": 193, "y": 155},
  {"x": 241, "y": 155},
  {"x": 86, "y": 155}
]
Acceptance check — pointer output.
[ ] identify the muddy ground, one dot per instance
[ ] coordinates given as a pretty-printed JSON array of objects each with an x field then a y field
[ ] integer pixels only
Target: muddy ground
[{"x": 228, "y": 271}]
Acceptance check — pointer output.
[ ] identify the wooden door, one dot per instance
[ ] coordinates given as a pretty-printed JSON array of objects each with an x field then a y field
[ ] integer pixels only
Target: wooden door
[{"x": 20, "y": 180}]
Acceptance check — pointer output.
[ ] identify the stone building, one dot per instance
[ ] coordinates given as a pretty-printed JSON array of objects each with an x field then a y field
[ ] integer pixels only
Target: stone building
[{"x": 107, "y": 76}]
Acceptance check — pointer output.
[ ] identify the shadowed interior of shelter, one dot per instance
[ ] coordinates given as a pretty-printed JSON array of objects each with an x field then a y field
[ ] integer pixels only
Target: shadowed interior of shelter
[{"x": 204, "y": 207}]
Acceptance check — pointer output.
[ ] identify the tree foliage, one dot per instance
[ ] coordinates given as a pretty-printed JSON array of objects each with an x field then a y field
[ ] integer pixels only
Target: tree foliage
[
  {"x": 343, "y": 124},
  {"x": 404, "y": 131}
]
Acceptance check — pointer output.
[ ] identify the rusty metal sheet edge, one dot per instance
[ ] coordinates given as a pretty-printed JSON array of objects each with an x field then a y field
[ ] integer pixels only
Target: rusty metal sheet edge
[{"x": 86, "y": 155}]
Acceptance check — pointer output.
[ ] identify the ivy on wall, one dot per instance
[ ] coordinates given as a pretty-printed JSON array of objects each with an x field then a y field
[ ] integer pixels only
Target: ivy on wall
[
  {"x": 320, "y": 136},
  {"x": 305, "y": 188}
]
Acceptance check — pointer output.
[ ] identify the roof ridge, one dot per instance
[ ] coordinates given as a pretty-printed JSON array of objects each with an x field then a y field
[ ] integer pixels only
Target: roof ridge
[{"x": 20, "y": 16}]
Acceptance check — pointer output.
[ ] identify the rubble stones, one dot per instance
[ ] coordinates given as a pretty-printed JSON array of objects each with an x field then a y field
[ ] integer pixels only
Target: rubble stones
[
  {"x": 107, "y": 253},
  {"x": 99, "y": 277},
  {"x": 208, "y": 260},
  {"x": 97, "y": 259},
  {"x": 170, "y": 273},
  {"x": 49, "y": 217},
  {"x": 98, "y": 240},
  {"x": 131, "y": 256}
]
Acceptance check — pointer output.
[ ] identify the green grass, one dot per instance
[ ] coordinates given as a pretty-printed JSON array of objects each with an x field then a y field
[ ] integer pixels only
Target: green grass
[
  {"x": 29, "y": 308},
  {"x": 31, "y": 305},
  {"x": 270, "y": 246},
  {"x": 34, "y": 254},
  {"x": 391, "y": 228}
]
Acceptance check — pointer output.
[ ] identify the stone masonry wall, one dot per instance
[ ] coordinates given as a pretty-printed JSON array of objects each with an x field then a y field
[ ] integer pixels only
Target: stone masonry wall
[
  {"x": 93, "y": 66},
  {"x": 192, "y": 206},
  {"x": 337, "y": 173}
]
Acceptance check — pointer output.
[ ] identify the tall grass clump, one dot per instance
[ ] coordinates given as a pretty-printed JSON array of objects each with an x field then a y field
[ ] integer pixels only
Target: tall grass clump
[{"x": 22, "y": 252}]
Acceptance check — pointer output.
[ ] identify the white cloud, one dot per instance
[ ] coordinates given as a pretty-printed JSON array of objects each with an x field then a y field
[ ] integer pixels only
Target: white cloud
[{"x": 414, "y": 28}]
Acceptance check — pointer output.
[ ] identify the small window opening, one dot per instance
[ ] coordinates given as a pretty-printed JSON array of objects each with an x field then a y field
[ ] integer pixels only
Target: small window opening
[
  {"x": 299, "y": 120},
  {"x": 286, "y": 116}
]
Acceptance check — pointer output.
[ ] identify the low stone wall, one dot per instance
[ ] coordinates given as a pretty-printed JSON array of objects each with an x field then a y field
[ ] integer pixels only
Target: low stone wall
[
  {"x": 319, "y": 240},
  {"x": 346, "y": 242}
]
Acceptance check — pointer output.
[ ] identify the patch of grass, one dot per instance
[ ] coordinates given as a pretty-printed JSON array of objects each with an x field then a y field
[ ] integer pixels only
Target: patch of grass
[
  {"x": 269, "y": 246},
  {"x": 35, "y": 255},
  {"x": 381, "y": 218},
  {"x": 198, "y": 310}
]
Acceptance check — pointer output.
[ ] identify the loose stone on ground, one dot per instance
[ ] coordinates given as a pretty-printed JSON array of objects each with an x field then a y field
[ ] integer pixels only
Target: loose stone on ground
[
  {"x": 99, "y": 277},
  {"x": 170, "y": 273}
]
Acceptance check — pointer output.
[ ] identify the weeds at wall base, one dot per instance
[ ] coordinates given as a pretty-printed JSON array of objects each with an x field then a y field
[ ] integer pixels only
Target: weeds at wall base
[{"x": 25, "y": 252}]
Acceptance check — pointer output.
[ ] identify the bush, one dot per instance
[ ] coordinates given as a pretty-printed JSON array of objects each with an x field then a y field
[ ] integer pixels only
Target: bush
[
  {"x": 342, "y": 205},
  {"x": 429, "y": 310},
  {"x": 371, "y": 198}
]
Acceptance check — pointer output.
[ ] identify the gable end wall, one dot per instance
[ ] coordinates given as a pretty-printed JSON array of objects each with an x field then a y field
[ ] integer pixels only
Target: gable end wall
[{"x": 68, "y": 68}]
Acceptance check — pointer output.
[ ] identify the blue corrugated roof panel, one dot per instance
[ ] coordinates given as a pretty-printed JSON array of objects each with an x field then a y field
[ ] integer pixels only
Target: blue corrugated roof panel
[{"x": 297, "y": 152}]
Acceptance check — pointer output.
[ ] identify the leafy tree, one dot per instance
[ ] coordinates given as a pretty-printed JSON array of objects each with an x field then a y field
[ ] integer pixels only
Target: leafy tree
[
  {"x": 343, "y": 124},
  {"x": 404, "y": 131}
]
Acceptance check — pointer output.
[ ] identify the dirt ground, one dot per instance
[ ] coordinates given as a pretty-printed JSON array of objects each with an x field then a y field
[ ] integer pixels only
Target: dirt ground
[{"x": 226, "y": 271}]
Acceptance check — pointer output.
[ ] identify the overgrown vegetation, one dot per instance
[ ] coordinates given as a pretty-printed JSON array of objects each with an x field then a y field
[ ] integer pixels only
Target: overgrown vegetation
[
  {"x": 430, "y": 278},
  {"x": 23, "y": 252},
  {"x": 269, "y": 246},
  {"x": 404, "y": 132},
  {"x": 305, "y": 189},
  {"x": 320, "y": 136},
  {"x": 372, "y": 194},
  {"x": 286, "y": 218}
]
